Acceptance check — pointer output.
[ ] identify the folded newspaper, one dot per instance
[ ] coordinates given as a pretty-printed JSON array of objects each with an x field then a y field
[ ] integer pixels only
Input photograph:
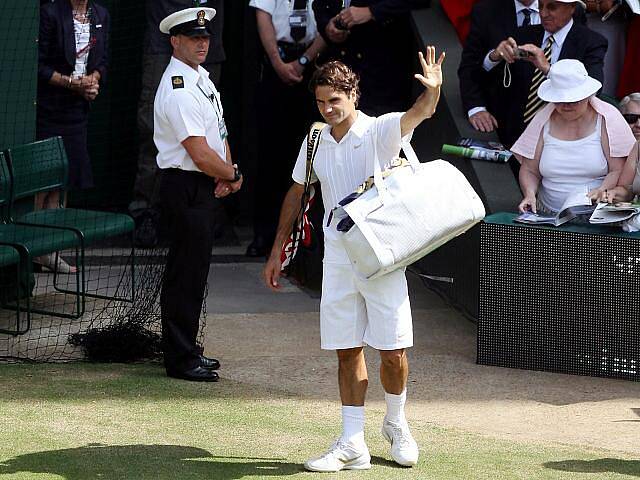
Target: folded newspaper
[
  {"x": 577, "y": 203},
  {"x": 608, "y": 213},
  {"x": 478, "y": 150}
]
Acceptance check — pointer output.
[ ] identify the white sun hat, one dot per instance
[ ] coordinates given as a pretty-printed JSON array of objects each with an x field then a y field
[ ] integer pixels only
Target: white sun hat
[
  {"x": 190, "y": 22},
  {"x": 574, "y": 1},
  {"x": 568, "y": 81}
]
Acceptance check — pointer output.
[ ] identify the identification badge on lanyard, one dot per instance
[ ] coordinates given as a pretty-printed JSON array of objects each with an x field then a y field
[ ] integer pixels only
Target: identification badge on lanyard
[
  {"x": 217, "y": 108},
  {"x": 222, "y": 128},
  {"x": 298, "y": 18}
]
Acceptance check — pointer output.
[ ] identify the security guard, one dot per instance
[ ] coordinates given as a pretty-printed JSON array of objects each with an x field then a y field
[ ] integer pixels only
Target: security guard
[
  {"x": 193, "y": 154},
  {"x": 284, "y": 105}
]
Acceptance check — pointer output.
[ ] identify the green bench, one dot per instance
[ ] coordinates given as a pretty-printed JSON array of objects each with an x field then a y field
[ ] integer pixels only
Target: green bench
[
  {"x": 41, "y": 167},
  {"x": 19, "y": 245}
]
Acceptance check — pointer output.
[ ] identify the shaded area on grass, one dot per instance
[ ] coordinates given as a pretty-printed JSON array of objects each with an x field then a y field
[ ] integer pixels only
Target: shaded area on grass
[
  {"x": 116, "y": 381},
  {"x": 157, "y": 462},
  {"x": 600, "y": 465}
]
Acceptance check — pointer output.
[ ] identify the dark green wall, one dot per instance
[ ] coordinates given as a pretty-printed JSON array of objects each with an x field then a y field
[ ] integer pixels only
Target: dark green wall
[
  {"x": 112, "y": 140},
  {"x": 18, "y": 71}
]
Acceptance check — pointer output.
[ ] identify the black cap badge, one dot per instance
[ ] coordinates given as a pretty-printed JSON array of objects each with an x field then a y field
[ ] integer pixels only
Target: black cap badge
[{"x": 201, "y": 18}]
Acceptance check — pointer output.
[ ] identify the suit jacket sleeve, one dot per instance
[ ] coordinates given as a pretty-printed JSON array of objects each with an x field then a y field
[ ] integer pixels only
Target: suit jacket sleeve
[
  {"x": 46, "y": 42},
  {"x": 103, "y": 62},
  {"x": 594, "y": 56},
  {"x": 386, "y": 10},
  {"x": 324, "y": 11},
  {"x": 470, "y": 71}
]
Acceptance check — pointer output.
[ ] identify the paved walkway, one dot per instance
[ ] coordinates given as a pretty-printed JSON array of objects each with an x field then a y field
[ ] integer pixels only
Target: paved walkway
[{"x": 264, "y": 338}]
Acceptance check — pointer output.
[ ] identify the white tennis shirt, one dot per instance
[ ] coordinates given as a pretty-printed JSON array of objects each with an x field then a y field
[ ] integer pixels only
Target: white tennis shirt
[
  {"x": 187, "y": 104},
  {"x": 342, "y": 166}
]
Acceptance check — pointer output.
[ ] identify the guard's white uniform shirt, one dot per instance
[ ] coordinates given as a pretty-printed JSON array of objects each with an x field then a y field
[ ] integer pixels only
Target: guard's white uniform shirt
[
  {"x": 280, "y": 11},
  {"x": 342, "y": 167},
  {"x": 193, "y": 110}
]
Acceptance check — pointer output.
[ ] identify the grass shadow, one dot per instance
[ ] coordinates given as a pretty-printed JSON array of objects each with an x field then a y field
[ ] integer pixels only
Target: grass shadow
[
  {"x": 384, "y": 462},
  {"x": 84, "y": 381},
  {"x": 144, "y": 462},
  {"x": 601, "y": 465}
]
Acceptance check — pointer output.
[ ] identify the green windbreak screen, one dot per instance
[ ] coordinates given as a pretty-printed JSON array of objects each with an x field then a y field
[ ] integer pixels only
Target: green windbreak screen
[{"x": 18, "y": 71}]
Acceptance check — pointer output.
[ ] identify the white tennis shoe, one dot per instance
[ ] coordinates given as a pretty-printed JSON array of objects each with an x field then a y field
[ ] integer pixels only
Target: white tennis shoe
[
  {"x": 341, "y": 456},
  {"x": 404, "y": 449}
]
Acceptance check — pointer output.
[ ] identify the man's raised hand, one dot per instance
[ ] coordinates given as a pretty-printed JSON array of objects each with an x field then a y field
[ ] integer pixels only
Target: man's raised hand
[{"x": 431, "y": 76}]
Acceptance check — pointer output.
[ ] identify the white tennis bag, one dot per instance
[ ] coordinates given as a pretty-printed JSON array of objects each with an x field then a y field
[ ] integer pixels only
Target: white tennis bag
[{"x": 409, "y": 210}]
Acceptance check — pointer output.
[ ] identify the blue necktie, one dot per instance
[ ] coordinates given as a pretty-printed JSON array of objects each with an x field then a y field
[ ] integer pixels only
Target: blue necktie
[{"x": 527, "y": 17}]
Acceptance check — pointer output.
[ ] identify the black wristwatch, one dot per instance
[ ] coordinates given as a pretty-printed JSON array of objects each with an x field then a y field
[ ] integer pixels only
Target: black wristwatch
[
  {"x": 303, "y": 60},
  {"x": 236, "y": 174}
]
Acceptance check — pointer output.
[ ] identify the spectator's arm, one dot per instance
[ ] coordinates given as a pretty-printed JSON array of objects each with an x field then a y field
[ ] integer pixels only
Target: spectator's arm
[
  {"x": 470, "y": 70},
  {"x": 45, "y": 40},
  {"x": 287, "y": 72},
  {"x": 615, "y": 165},
  {"x": 316, "y": 48},
  {"x": 529, "y": 178},
  {"x": 594, "y": 56},
  {"x": 629, "y": 169},
  {"x": 267, "y": 34},
  {"x": 623, "y": 192},
  {"x": 324, "y": 11}
]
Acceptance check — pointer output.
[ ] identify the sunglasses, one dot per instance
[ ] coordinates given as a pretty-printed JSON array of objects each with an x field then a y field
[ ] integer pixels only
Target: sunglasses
[{"x": 631, "y": 117}]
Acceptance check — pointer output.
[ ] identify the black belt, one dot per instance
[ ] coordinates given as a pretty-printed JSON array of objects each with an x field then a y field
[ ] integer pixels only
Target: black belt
[
  {"x": 291, "y": 51},
  {"x": 190, "y": 173}
]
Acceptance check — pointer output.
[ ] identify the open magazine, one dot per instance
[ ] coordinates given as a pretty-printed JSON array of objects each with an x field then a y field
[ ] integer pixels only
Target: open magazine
[
  {"x": 613, "y": 213},
  {"x": 577, "y": 203}
]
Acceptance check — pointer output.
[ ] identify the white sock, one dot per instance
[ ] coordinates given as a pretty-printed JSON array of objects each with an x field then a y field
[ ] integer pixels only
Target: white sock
[
  {"x": 395, "y": 407},
  {"x": 353, "y": 425}
]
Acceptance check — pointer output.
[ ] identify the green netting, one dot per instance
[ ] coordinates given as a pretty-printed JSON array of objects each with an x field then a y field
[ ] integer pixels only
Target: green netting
[{"x": 109, "y": 310}]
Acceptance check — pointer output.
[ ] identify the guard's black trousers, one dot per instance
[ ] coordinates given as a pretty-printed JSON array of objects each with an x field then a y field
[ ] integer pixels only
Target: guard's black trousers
[{"x": 187, "y": 204}]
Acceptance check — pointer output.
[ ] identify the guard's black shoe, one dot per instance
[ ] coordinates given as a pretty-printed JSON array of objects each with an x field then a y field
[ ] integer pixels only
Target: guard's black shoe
[
  {"x": 195, "y": 374},
  {"x": 257, "y": 248},
  {"x": 209, "y": 363}
]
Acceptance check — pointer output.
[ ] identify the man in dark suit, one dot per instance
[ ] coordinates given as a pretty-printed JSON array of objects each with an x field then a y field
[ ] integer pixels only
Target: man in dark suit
[
  {"x": 513, "y": 80},
  {"x": 374, "y": 38},
  {"x": 491, "y": 22}
]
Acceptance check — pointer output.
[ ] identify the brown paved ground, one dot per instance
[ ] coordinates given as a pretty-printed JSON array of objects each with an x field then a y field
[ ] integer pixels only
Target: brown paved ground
[{"x": 446, "y": 388}]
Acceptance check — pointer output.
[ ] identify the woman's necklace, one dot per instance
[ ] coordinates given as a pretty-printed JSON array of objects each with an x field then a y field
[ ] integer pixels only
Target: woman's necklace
[{"x": 80, "y": 11}]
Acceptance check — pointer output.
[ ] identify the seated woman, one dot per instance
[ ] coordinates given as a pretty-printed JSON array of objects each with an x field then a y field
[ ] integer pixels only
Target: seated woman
[
  {"x": 629, "y": 182},
  {"x": 575, "y": 142}
]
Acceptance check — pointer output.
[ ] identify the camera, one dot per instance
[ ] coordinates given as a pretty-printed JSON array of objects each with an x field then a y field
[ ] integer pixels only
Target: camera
[
  {"x": 520, "y": 53},
  {"x": 340, "y": 24}
]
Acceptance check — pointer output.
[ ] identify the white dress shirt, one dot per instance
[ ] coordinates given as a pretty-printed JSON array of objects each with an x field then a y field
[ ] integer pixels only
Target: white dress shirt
[
  {"x": 187, "y": 104},
  {"x": 280, "y": 11},
  {"x": 342, "y": 166}
]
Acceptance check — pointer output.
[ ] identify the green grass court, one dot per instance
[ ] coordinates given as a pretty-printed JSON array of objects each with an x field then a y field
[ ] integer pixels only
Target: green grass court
[{"x": 82, "y": 421}]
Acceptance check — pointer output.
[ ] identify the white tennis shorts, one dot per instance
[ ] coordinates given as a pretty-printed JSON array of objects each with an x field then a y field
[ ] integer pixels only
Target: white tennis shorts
[{"x": 355, "y": 312}]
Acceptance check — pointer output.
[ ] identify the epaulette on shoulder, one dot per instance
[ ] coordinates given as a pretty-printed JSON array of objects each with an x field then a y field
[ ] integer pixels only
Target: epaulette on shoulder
[{"x": 177, "y": 82}]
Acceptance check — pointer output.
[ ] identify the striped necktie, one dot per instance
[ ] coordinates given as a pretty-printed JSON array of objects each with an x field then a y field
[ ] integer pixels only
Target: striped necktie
[{"x": 534, "y": 103}]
